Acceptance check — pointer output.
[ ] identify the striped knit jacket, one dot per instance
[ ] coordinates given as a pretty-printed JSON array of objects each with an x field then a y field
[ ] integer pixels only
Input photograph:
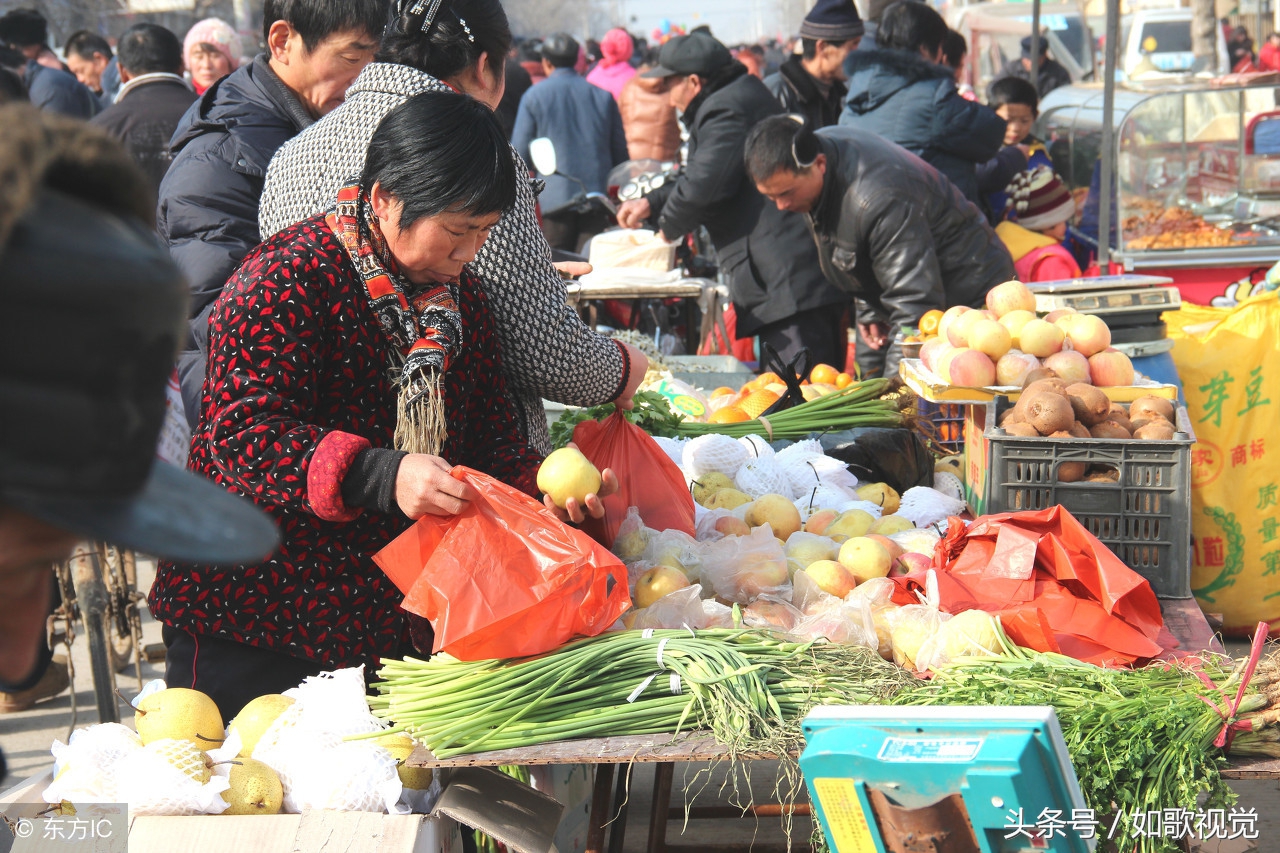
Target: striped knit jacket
[{"x": 547, "y": 351}]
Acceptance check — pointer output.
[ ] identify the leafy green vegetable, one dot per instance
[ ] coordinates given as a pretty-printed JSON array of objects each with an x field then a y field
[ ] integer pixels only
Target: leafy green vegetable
[{"x": 652, "y": 413}]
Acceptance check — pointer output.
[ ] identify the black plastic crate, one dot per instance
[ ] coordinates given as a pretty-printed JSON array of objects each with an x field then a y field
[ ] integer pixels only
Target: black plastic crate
[
  {"x": 1144, "y": 516},
  {"x": 948, "y": 421}
]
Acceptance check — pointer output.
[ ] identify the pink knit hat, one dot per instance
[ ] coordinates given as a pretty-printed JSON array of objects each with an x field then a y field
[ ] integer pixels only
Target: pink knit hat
[
  {"x": 615, "y": 47},
  {"x": 216, "y": 33}
]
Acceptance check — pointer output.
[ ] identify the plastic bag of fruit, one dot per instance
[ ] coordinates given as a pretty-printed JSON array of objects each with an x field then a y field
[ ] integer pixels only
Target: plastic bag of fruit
[
  {"x": 679, "y": 609},
  {"x": 743, "y": 568}
]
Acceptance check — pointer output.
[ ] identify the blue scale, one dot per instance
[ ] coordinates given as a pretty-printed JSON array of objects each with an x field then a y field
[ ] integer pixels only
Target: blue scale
[{"x": 944, "y": 780}]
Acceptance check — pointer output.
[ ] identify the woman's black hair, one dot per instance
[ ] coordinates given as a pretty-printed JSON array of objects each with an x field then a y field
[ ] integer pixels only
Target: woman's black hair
[
  {"x": 441, "y": 152},
  {"x": 954, "y": 48},
  {"x": 910, "y": 25},
  {"x": 453, "y": 40}
]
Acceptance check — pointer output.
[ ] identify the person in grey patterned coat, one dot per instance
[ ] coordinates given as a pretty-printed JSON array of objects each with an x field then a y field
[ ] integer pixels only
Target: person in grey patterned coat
[{"x": 547, "y": 351}]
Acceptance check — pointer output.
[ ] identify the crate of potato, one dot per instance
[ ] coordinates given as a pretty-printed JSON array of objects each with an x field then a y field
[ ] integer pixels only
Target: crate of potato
[{"x": 1123, "y": 470}]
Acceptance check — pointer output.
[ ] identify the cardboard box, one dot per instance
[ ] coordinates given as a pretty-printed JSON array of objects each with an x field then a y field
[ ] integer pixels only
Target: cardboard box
[
  {"x": 930, "y": 386},
  {"x": 573, "y": 785}
]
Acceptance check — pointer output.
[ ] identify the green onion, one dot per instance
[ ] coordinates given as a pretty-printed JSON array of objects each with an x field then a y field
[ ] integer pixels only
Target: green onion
[{"x": 862, "y": 404}]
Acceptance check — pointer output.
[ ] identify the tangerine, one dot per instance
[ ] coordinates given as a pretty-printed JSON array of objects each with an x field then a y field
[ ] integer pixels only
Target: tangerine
[
  {"x": 824, "y": 374},
  {"x": 844, "y": 380},
  {"x": 728, "y": 415},
  {"x": 723, "y": 391},
  {"x": 757, "y": 402},
  {"x": 929, "y": 322}
]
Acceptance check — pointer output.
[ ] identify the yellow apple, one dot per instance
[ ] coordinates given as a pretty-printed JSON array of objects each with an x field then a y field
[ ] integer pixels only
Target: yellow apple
[
  {"x": 807, "y": 548},
  {"x": 778, "y": 512},
  {"x": 855, "y": 522},
  {"x": 565, "y": 474},
  {"x": 832, "y": 577},
  {"x": 865, "y": 557},
  {"x": 657, "y": 582}
]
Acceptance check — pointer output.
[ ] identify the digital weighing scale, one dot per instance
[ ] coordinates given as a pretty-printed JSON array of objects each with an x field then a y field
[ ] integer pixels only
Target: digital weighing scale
[
  {"x": 1131, "y": 305},
  {"x": 944, "y": 780}
]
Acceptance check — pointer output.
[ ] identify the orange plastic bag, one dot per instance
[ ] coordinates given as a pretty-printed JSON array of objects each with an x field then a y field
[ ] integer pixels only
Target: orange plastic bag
[
  {"x": 505, "y": 577},
  {"x": 1056, "y": 587},
  {"x": 647, "y": 478}
]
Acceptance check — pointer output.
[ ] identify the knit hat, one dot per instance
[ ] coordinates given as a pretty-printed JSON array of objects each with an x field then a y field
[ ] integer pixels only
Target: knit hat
[
  {"x": 1039, "y": 200},
  {"x": 219, "y": 35},
  {"x": 832, "y": 20},
  {"x": 615, "y": 47}
]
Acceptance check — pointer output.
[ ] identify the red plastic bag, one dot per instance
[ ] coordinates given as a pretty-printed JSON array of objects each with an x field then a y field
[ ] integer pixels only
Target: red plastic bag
[
  {"x": 1056, "y": 587},
  {"x": 647, "y": 478},
  {"x": 505, "y": 577}
]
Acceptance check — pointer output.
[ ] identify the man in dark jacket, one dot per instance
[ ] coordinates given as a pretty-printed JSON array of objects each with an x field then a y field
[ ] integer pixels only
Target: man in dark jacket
[
  {"x": 812, "y": 83},
  {"x": 208, "y": 210},
  {"x": 53, "y": 89},
  {"x": 1050, "y": 76},
  {"x": 583, "y": 122},
  {"x": 889, "y": 228},
  {"x": 91, "y": 59},
  {"x": 778, "y": 290},
  {"x": 152, "y": 99},
  {"x": 902, "y": 93}
]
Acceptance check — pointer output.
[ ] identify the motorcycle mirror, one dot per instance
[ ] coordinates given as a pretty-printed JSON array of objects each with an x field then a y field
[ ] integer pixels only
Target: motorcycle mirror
[{"x": 543, "y": 153}]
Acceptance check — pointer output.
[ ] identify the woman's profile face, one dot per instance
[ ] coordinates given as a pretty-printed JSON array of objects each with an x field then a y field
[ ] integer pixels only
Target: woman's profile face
[
  {"x": 435, "y": 248},
  {"x": 207, "y": 64}
]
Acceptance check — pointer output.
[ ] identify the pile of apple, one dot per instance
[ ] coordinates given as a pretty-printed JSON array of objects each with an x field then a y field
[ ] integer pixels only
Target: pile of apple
[{"x": 1001, "y": 345}]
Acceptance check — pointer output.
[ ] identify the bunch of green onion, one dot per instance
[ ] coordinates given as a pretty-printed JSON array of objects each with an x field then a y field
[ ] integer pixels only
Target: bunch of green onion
[
  {"x": 749, "y": 688},
  {"x": 1140, "y": 740},
  {"x": 862, "y": 404}
]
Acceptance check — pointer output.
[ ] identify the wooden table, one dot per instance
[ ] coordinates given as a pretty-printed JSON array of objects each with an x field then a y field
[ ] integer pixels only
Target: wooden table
[{"x": 1182, "y": 617}]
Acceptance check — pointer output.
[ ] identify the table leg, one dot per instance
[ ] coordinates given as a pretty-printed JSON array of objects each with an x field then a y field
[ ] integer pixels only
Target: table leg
[
  {"x": 662, "y": 774},
  {"x": 600, "y": 808},
  {"x": 618, "y": 828}
]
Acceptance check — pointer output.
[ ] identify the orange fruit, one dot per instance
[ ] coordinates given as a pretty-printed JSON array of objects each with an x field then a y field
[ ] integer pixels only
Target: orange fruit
[
  {"x": 766, "y": 378},
  {"x": 929, "y": 322},
  {"x": 728, "y": 415},
  {"x": 823, "y": 373},
  {"x": 844, "y": 380},
  {"x": 723, "y": 391},
  {"x": 757, "y": 402}
]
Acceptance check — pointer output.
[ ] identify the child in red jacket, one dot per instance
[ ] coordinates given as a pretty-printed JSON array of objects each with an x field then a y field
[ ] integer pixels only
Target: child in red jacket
[{"x": 1044, "y": 207}]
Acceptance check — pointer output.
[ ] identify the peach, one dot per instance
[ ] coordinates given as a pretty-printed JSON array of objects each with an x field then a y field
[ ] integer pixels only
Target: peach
[
  {"x": 1071, "y": 366},
  {"x": 943, "y": 368},
  {"x": 1053, "y": 316},
  {"x": 1014, "y": 321},
  {"x": 931, "y": 350},
  {"x": 1014, "y": 366},
  {"x": 1110, "y": 367},
  {"x": 1010, "y": 296},
  {"x": 832, "y": 577},
  {"x": 958, "y": 331},
  {"x": 948, "y": 317},
  {"x": 895, "y": 550},
  {"x": 990, "y": 338},
  {"x": 1089, "y": 334},
  {"x": 971, "y": 369},
  {"x": 731, "y": 525},
  {"x": 1040, "y": 338},
  {"x": 820, "y": 521}
]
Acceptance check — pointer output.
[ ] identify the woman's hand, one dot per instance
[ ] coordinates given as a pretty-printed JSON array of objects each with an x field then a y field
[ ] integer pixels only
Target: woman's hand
[
  {"x": 632, "y": 214},
  {"x": 571, "y": 269},
  {"x": 426, "y": 486},
  {"x": 576, "y": 513},
  {"x": 639, "y": 366}
]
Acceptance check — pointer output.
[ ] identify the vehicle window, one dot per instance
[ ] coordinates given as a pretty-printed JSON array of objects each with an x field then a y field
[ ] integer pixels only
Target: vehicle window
[{"x": 1166, "y": 37}]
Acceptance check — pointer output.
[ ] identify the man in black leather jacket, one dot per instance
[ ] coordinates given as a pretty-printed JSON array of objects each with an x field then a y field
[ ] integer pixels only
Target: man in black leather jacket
[
  {"x": 812, "y": 84},
  {"x": 890, "y": 229},
  {"x": 778, "y": 289}
]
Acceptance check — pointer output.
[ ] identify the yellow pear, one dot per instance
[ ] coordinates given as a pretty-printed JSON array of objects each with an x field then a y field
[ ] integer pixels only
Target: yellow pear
[
  {"x": 256, "y": 717},
  {"x": 727, "y": 499},
  {"x": 565, "y": 474},
  {"x": 778, "y": 512},
  {"x": 708, "y": 484},
  {"x": 401, "y": 746},
  {"x": 255, "y": 789},
  {"x": 855, "y": 522},
  {"x": 179, "y": 713},
  {"x": 881, "y": 494}
]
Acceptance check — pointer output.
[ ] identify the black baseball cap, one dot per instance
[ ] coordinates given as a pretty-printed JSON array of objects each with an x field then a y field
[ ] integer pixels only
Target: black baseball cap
[
  {"x": 697, "y": 53},
  {"x": 93, "y": 310}
]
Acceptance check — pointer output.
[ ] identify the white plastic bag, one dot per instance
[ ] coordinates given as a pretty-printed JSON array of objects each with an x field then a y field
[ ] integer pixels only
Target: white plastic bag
[
  {"x": 742, "y": 568},
  {"x": 925, "y": 506},
  {"x": 679, "y": 609},
  {"x": 773, "y": 614},
  {"x": 633, "y": 537},
  {"x": 971, "y": 633},
  {"x": 676, "y": 549}
]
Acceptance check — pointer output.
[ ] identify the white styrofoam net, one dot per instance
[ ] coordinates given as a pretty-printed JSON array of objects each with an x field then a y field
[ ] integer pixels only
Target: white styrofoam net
[
  {"x": 714, "y": 453},
  {"x": 925, "y": 506},
  {"x": 758, "y": 447},
  {"x": 759, "y": 477}
]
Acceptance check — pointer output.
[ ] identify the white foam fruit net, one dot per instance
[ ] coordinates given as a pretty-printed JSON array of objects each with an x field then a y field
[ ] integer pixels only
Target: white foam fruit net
[
  {"x": 759, "y": 477},
  {"x": 714, "y": 453},
  {"x": 673, "y": 447},
  {"x": 757, "y": 446},
  {"x": 925, "y": 506}
]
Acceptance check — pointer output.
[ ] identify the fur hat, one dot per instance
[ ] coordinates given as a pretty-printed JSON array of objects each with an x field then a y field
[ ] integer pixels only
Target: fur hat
[{"x": 1039, "y": 200}]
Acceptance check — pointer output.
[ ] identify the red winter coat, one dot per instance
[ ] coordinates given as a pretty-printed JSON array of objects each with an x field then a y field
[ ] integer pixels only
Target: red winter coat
[{"x": 297, "y": 385}]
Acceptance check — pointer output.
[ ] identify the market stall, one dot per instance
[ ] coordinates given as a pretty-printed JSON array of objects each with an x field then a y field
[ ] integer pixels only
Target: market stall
[{"x": 1196, "y": 171}]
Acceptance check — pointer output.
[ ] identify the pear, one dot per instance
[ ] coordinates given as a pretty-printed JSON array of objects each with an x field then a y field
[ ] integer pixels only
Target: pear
[
  {"x": 708, "y": 484},
  {"x": 565, "y": 474},
  {"x": 727, "y": 499},
  {"x": 184, "y": 755},
  {"x": 256, "y": 717},
  {"x": 255, "y": 789},
  {"x": 179, "y": 713},
  {"x": 401, "y": 746},
  {"x": 881, "y": 494}
]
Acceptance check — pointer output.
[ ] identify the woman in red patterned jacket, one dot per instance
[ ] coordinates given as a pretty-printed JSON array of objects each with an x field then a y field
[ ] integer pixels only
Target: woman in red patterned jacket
[{"x": 350, "y": 356}]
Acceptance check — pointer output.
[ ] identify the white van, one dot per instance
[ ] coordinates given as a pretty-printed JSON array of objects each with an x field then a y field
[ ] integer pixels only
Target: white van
[{"x": 1162, "y": 37}]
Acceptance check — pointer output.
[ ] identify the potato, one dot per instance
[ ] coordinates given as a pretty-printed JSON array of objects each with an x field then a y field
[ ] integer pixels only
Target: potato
[{"x": 1151, "y": 407}]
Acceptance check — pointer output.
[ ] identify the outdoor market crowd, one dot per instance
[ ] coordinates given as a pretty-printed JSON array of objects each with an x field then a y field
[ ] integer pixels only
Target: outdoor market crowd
[{"x": 350, "y": 231}]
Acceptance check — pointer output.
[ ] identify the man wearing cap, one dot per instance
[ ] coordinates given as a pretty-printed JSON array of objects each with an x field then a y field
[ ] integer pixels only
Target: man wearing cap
[
  {"x": 93, "y": 314},
  {"x": 890, "y": 229},
  {"x": 1050, "y": 76},
  {"x": 584, "y": 124},
  {"x": 811, "y": 83},
  {"x": 776, "y": 283}
]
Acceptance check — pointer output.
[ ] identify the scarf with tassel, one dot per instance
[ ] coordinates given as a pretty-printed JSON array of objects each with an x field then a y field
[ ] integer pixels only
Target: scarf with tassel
[{"x": 422, "y": 323}]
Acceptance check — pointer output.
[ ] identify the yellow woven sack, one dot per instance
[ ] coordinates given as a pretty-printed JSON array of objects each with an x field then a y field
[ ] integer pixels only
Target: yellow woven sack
[{"x": 1229, "y": 363}]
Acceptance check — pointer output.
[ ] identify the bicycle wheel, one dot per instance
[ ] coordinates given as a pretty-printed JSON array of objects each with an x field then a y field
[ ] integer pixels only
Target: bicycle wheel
[
  {"x": 91, "y": 598},
  {"x": 124, "y": 624}
]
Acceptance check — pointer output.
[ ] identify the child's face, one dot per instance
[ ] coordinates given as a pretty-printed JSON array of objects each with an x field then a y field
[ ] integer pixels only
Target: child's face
[{"x": 1020, "y": 117}]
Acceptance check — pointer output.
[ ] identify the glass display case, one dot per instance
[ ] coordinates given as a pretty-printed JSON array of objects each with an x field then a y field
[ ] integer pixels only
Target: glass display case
[{"x": 1197, "y": 171}]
